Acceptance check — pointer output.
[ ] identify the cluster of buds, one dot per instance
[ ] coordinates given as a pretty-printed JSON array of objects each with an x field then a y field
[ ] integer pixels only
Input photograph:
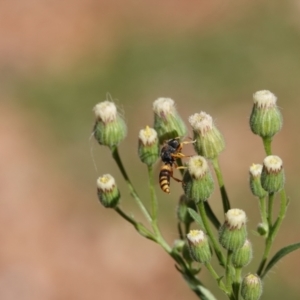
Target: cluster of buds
[{"x": 198, "y": 184}]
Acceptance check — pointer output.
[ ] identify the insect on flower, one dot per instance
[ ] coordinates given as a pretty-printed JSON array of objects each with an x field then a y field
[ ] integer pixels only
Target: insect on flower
[{"x": 169, "y": 153}]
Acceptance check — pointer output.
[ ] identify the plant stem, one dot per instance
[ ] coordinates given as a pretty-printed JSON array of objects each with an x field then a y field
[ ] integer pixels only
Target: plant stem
[
  {"x": 273, "y": 231},
  {"x": 228, "y": 274},
  {"x": 212, "y": 217},
  {"x": 216, "y": 277},
  {"x": 116, "y": 156},
  {"x": 237, "y": 283},
  {"x": 209, "y": 232},
  {"x": 270, "y": 210},
  {"x": 263, "y": 210},
  {"x": 140, "y": 228},
  {"x": 267, "y": 145},
  {"x": 154, "y": 204},
  {"x": 225, "y": 199}
]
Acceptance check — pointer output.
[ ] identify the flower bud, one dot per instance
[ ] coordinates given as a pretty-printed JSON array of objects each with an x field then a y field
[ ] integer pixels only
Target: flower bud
[
  {"x": 251, "y": 287},
  {"x": 255, "y": 183},
  {"x": 110, "y": 129},
  {"x": 233, "y": 233},
  {"x": 199, "y": 246},
  {"x": 262, "y": 229},
  {"x": 108, "y": 192},
  {"x": 272, "y": 176},
  {"x": 167, "y": 121},
  {"x": 182, "y": 210},
  {"x": 148, "y": 147},
  {"x": 209, "y": 141},
  {"x": 242, "y": 256},
  {"x": 266, "y": 119},
  {"x": 198, "y": 183}
]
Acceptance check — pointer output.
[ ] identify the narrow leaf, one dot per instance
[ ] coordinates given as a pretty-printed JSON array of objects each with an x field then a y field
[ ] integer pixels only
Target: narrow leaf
[
  {"x": 205, "y": 293},
  {"x": 196, "y": 217},
  {"x": 280, "y": 254}
]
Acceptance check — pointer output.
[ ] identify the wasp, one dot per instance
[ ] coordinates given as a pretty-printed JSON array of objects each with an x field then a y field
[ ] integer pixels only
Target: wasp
[{"x": 169, "y": 153}]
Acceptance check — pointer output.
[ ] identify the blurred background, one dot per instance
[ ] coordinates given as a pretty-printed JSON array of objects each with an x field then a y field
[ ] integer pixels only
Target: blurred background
[{"x": 60, "y": 58}]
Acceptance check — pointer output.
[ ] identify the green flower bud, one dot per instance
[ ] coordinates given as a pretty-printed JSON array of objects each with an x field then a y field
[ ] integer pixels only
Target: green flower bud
[
  {"x": 262, "y": 229},
  {"x": 182, "y": 210},
  {"x": 198, "y": 183},
  {"x": 251, "y": 287},
  {"x": 209, "y": 141},
  {"x": 255, "y": 183},
  {"x": 272, "y": 176},
  {"x": 148, "y": 147},
  {"x": 266, "y": 119},
  {"x": 110, "y": 129},
  {"x": 242, "y": 256},
  {"x": 108, "y": 192},
  {"x": 199, "y": 246},
  {"x": 233, "y": 233},
  {"x": 167, "y": 121}
]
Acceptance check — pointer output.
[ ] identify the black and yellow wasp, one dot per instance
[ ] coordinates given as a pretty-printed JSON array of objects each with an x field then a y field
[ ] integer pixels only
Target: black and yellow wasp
[{"x": 169, "y": 153}]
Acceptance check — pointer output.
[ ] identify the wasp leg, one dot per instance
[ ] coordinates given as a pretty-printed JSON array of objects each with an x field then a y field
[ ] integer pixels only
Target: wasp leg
[
  {"x": 186, "y": 142},
  {"x": 180, "y": 155},
  {"x": 176, "y": 179}
]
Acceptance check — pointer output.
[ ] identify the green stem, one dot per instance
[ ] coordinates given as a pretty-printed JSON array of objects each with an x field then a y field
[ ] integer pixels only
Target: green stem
[
  {"x": 273, "y": 232},
  {"x": 212, "y": 217},
  {"x": 270, "y": 210},
  {"x": 237, "y": 283},
  {"x": 225, "y": 199},
  {"x": 132, "y": 190},
  {"x": 154, "y": 203},
  {"x": 228, "y": 273},
  {"x": 216, "y": 277},
  {"x": 267, "y": 141},
  {"x": 209, "y": 232},
  {"x": 263, "y": 210},
  {"x": 180, "y": 233},
  {"x": 140, "y": 228}
]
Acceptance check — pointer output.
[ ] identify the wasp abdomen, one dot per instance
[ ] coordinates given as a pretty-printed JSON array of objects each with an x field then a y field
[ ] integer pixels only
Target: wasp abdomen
[{"x": 164, "y": 178}]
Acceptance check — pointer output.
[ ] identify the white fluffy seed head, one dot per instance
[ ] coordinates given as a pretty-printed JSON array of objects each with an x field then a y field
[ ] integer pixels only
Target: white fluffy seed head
[
  {"x": 164, "y": 107},
  {"x": 196, "y": 236},
  {"x": 105, "y": 111},
  {"x": 201, "y": 122},
  {"x": 235, "y": 218},
  {"x": 264, "y": 99},
  {"x": 273, "y": 163},
  {"x": 148, "y": 136},
  {"x": 106, "y": 183},
  {"x": 255, "y": 170},
  {"x": 197, "y": 166}
]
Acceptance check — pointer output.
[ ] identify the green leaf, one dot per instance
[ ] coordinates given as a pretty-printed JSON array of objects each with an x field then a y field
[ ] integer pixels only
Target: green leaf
[
  {"x": 196, "y": 217},
  {"x": 205, "y": 293},
  {"x": 280, "y": 254}
]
